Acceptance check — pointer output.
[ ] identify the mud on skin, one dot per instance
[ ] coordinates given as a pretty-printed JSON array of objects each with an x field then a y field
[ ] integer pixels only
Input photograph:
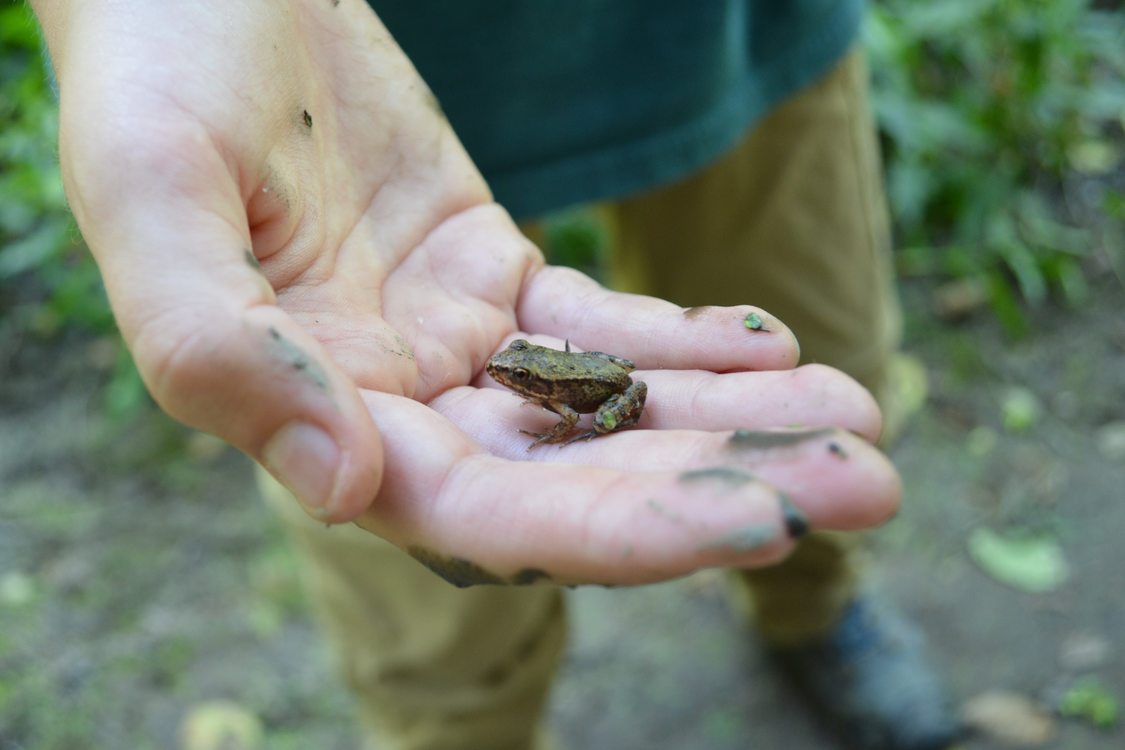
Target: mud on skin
[
  {"x": 796, "y": 522},
  {"x": 753, "y": 321},
  {"x": 298, "y": 359},
  {"x": 743, "y": 540},
  {"x": 458, "y": 571},
  {"x": 528, "y": 576},
  {"x": 691, "y": 313},
  {"x": 727, "y": 474},
  {"x": 755, "y": 440},
  {"x": 464, "y": 573}
]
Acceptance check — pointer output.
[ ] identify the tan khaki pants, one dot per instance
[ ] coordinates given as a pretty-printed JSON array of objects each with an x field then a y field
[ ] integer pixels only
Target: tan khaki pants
[{"x": 791, "y": 220}]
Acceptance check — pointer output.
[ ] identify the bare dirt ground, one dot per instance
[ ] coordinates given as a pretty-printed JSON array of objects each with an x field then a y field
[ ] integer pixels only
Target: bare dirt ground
[{"x": 140, "y": 578}]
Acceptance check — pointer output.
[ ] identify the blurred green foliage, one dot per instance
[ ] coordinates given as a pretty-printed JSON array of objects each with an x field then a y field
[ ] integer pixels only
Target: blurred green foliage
[
  {"x": 987, "y": 108},
  {"x": 46, "y": 276}
]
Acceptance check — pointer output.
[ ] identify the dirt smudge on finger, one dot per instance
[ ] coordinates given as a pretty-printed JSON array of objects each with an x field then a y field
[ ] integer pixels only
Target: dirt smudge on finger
[
  {"x": 528, "y": 576},
  {"x": 768, "y": 439},
  {"x": 458, "y": 571},
  {"x": 742, "y": 540},
  {"x": 796, "y": 522},
  {"x": 298, "y": 360},
  {"x": 662, "y": 510},
  {"x": 727, "y": 474},
  {"x": 691, "y": 313}
]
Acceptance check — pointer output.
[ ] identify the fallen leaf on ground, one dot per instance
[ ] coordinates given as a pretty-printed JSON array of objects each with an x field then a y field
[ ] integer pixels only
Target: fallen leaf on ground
[
  {"x": 958, "y": 299},
  {"x": 16, "y": 589},
  {"x": 221, "y": 725},
  {"x": 1091, "y": 701},
  {"x": 1011, "y": 718},
  {"x": 1020, "y": 408},
  {"x": 1084, "y": 651},
  {"x": 1111, "y": 441},
  {"x": 1029, "y": 563}
]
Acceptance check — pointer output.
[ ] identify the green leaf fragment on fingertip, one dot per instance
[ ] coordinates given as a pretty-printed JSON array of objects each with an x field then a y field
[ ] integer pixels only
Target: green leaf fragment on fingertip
[{"x": 754, "y": 322}]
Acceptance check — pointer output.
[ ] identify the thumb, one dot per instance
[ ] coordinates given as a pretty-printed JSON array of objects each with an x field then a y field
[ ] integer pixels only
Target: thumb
[
  {"x": 253, "y": 377},
  {"x": 209, "y": 340}
]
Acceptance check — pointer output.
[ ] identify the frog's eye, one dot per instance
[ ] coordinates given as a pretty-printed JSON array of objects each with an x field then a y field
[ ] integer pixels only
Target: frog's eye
[{"x": 520, "y": 373}]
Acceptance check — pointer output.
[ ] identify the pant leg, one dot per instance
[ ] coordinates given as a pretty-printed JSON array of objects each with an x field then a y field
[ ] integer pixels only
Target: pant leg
[
  {"x": 432, "y": 667},
  {"x": 793, "y": 219}
]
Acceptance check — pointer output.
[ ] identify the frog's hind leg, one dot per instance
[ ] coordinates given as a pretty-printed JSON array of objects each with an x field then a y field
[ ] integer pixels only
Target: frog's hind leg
[
  {"x": 618, "y": 412},
  {"x": 557, "y": 433}
]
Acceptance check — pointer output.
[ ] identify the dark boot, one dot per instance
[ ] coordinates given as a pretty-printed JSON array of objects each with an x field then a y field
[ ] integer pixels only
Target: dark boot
[{"x": 869, "y": 679}]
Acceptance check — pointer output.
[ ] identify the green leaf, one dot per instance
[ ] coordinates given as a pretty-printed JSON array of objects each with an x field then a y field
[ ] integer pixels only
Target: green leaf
[
  {"x": 1024, "y": 267},
  {"x": 1114, "y": 204},
  {"x": 1005, "y": 306},
  {"x": 1094, "y": 156},
  {"x": 35, "y": 249},
  {"x": 125, "y": 394},
  {"x": 1020, "y": 408},
  {"x": 577, "y": 238},
  {"x": 1066, "y": 274},
  {"x": 1029, "y": 563},
  {"x": 937, "y": 20},
  {"x": 1090, "y": 700}
]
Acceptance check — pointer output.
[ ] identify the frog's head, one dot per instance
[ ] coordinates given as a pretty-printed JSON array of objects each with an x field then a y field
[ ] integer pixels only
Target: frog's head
[{"x": 515, "y": 367}]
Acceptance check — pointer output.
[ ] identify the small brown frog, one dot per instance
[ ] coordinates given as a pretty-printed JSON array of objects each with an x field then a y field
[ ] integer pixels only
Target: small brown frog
[{"x": 571, "y": 383}]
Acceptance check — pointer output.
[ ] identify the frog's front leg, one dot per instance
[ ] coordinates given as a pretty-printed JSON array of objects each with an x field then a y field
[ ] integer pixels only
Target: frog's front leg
[
  {"x": 560, "y": 430},
  {"x": 619, "y": 411}
]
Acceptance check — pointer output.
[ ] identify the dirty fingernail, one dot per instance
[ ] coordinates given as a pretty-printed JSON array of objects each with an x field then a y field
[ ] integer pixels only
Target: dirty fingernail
[
  {"x": 796, "y": 522},
  {"x": 305, "y": 459}
]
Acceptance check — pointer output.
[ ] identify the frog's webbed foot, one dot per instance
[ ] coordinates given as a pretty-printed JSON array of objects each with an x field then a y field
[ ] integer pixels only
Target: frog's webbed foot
[
  {"x": 588, "y": 435},
  {"x": 558, "y": 433},
  {"x": 540, "y": 438}
]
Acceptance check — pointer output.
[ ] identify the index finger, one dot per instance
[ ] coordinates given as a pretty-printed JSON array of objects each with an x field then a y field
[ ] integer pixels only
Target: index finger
[{"x": 654, "y": 333}]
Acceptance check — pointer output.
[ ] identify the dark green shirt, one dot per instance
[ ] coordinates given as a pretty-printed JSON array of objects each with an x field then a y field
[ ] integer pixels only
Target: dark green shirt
[{"x": 563, "y": 102}]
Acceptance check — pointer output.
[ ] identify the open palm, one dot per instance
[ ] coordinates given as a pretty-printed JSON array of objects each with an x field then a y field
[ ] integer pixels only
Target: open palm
[{"x": 305, "y": 262}]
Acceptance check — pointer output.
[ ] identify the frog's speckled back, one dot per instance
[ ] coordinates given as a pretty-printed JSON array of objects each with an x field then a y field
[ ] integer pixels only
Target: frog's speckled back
[{"x": 582, "y": 381}]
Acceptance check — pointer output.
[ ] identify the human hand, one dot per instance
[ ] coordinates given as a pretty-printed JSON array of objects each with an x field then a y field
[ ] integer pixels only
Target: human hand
[{"x": 302, "y": 258}]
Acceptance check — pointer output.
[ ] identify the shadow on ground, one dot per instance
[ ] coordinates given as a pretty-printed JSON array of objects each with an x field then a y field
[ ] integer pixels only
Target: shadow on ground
[{"x": 139, "y": 578}]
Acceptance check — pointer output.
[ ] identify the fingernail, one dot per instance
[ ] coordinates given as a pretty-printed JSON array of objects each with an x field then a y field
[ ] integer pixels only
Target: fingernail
[{"x": 305, "y": 459}]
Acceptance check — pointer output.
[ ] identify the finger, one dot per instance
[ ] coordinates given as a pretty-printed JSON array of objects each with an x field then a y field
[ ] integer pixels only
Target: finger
[
  {"x": 655, "y": 334},
  {"x": 477, "y": 518},
  {"x": 807, "y": 396},
  {"x": 200, "y": 319},
  {"x": 837, "y": 477}
]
